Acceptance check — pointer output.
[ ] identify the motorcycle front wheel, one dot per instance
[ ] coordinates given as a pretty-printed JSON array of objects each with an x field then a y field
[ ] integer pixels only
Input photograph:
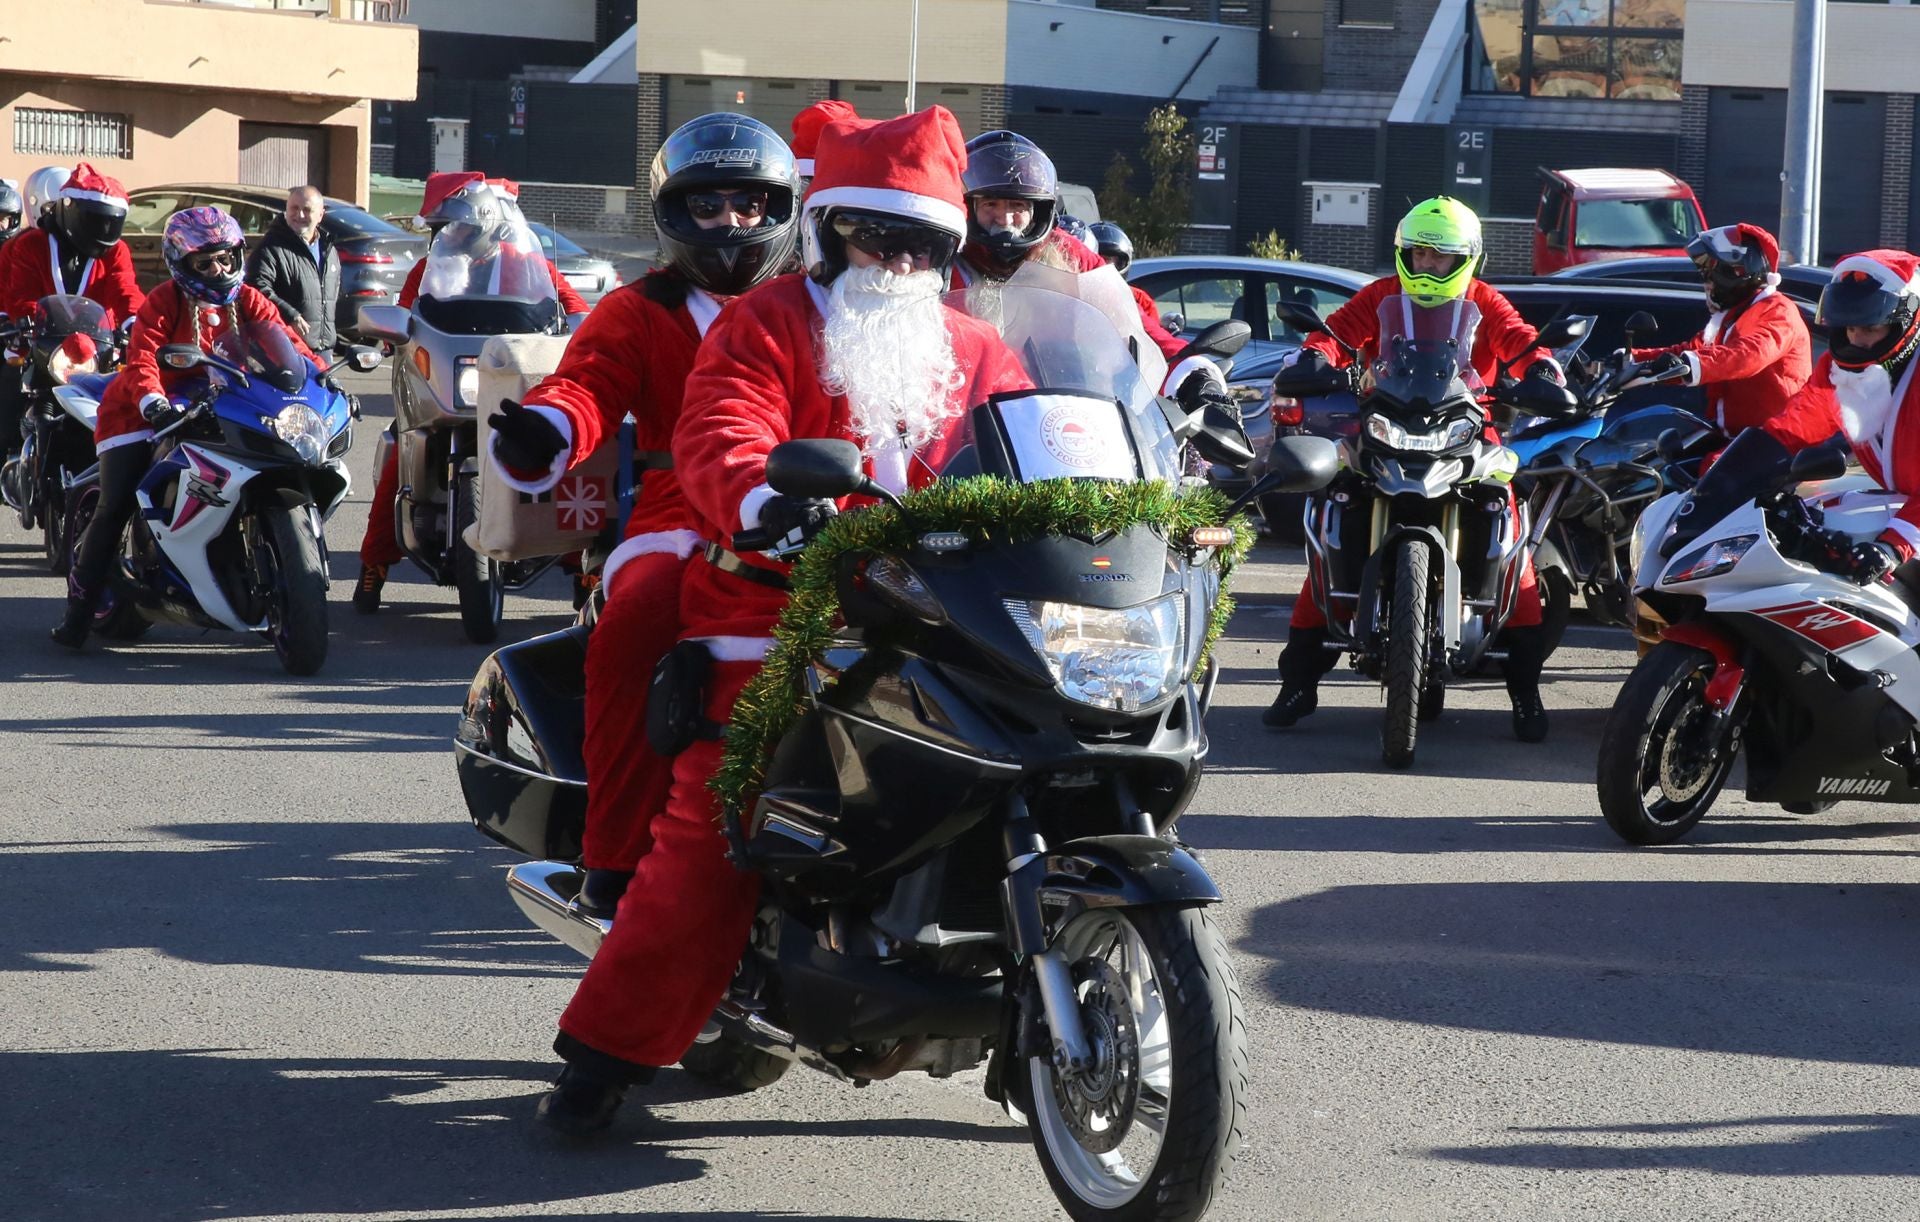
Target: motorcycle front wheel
[
  {"x": 1408, "y": 654},
  {"x": 1664, "y": 756},
  {"x": 296, "y": 587},
  {"x": 1147, "y": 1132},
  {"x": 477, "y": 578}
]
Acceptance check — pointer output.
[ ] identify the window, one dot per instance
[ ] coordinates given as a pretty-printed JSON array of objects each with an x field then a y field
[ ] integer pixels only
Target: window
[
  {"x": 1579, "y": 48},
  {"x": 71, "y": 133},
  {"x": 1552, "y": 218},
  {"x": 1634, "y": 222},
  {"x": 1322, "y": 299},
  {"x": 1198, "y": 298},
  {"x": 147, "y": 211},
  {"x": 1367, "y": 12}
]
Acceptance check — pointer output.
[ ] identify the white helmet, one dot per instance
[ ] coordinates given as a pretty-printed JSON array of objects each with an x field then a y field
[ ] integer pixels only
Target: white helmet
[{"x": 43, "y": 190}]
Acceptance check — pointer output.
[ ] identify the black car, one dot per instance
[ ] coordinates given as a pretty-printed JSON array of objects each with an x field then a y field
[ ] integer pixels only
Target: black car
[
  {"x": 1679, "y": 314},
  {"x": 375, "y": 256},
  {"x": 1802, "y": 280}
]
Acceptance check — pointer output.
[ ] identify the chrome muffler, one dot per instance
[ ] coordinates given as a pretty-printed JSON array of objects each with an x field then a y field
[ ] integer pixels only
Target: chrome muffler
[{"x": 548, "y": 893}]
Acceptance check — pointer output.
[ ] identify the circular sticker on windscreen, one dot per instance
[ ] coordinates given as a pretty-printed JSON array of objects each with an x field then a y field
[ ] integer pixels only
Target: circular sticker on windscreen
[{"x": 1070, "y": 437}]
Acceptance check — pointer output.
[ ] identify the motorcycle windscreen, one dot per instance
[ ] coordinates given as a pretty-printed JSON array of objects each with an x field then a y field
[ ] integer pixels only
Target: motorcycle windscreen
[
  {"x": 62, "y": 314},
  {"x": 264, "y": 350},
  {"x": 488, "y": 279},
  {"x": 1425, "y": 352},
  {"x": 1755, "y": 464}
]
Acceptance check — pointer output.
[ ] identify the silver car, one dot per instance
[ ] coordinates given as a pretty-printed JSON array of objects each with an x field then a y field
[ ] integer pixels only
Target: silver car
[{"x": 590, "y": 275}]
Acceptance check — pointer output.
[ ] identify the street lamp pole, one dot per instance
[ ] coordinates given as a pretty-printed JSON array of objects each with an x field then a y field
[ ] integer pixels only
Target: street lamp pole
[
  {"x": 913, "y": 56},
  {"x": 1806, "y": 98}
]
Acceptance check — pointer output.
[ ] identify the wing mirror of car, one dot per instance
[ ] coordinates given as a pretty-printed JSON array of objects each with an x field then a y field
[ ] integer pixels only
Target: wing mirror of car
[
  {"x": 1640, "y": 328},
  {"x": 1824, "y": 461},
  {"x": 1224, "y": 338},
  {"x": 182, "y": 356},
  {"x": 1222, "y": 438},
  {"x": 390, "y": 323},
  {"x": 822, "y": 467}
]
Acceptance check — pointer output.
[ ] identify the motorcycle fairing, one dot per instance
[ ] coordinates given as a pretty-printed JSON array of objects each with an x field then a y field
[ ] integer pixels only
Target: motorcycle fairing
[
  {"x": 80, "y": 402},
  {"x": 205, "y": 494}
]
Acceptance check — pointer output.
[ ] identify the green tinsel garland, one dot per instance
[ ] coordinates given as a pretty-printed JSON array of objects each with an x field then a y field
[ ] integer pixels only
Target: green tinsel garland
[{"x": 984, "y": 508}]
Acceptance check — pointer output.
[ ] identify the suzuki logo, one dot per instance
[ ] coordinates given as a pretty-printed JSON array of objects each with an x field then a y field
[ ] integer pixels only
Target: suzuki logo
[
  {"x": 207, "y": 494},
  {"x": 1820, "y": 621}
]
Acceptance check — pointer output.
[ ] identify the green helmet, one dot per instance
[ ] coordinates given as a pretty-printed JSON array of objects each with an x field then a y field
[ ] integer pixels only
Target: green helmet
[{"x": 1445, "y": 225}]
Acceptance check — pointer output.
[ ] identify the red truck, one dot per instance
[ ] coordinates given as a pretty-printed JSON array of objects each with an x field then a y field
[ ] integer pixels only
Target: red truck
[{"x": 1586, "y": 216}]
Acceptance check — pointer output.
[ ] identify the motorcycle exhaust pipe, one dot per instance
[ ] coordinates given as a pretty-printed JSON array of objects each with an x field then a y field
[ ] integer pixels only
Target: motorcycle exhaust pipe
[{"x": 547, "y": 893}]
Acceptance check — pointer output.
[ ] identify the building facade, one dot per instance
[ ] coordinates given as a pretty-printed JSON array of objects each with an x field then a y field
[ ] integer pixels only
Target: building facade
[{"x": 268, "y": 94}]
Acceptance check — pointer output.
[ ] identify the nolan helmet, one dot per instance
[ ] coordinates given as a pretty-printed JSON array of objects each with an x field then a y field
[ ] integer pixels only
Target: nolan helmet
[
  {"x": 726, "y": 202},
  {"x": 1451, "y": 229}
]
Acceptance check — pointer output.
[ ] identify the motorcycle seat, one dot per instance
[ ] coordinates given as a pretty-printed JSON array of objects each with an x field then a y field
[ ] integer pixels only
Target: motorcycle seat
[{"x": 92, "y": 385}]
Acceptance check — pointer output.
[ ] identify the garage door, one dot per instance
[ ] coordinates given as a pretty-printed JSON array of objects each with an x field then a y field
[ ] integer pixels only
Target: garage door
[
  {"x": 1747, "y": 130},
  {"x": 282, "y": 155}
]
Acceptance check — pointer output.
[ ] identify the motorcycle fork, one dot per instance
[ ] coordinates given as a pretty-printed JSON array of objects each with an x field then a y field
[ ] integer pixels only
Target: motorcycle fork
[{"x": 1026, "y": 851}]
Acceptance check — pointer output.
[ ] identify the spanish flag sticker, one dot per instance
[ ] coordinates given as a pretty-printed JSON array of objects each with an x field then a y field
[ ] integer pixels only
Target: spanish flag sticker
[{"x": 1101, "y": 562}]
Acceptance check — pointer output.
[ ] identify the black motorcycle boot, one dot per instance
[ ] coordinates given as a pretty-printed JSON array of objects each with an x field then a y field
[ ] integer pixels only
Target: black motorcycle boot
[
  {"x": 601, "y": 891},
  {"x": 1526, "y": 656},
  {"x": 588, "y": 1091},
  {"x": 366, "y": 594},
  {"x": 74, "y": 626},
  {"x": 1303, "y": 663}
]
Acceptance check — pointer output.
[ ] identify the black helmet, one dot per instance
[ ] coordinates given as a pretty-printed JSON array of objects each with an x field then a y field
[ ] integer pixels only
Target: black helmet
[
  {"x": 1734, "y": 261},
  {"x": 1113, "y": 244},
  {"x": 708, "y": 154},
  {"x": 12, "y": 208},
  {"x": 1075, "y": 228},
  {"x": 1868, "y": 292},
  {"x": 1007, "y": 165}
]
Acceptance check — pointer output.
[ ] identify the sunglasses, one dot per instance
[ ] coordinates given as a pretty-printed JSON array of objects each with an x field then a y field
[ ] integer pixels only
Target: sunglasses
[
  {"x": 890, "y": 238},
  {"x": 705, "y": 205},
  {"x": 221, "y": 260}
]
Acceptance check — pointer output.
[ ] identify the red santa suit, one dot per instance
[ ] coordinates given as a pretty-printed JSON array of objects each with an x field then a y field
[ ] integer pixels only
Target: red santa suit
[
  {"x": 682, "y": 921},
  {"x": 1752, "y": 360},
  {"x": 170, "y": 316},
  {"x": 631, "y": 357},
  {"x": 30, "y": 270},
  {"x": 1503, "y": 337}
]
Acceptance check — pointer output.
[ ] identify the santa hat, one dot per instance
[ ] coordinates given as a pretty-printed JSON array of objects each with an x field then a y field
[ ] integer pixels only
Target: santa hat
[
  {"x": 809, "y": 123},
  {"x": 505, "y": 186},
  {"x": 88, "y": 183},
  {"x": 909, "y": 166},
  {"x": 1894, "y": 270},
  {"x": 1746, "y": 234},
  {"x": 445, "y": 185}
]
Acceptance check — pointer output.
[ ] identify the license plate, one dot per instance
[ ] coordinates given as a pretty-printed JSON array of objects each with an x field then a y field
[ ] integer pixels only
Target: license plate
[{"x": 583, "y": 281}]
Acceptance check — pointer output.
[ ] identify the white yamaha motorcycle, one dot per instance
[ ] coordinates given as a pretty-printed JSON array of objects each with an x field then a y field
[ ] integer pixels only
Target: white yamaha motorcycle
[{"x": 1766, "y": 647}]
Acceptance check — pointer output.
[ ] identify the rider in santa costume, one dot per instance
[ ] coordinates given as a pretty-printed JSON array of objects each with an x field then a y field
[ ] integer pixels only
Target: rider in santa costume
[
  {"x": 858, "y": 347},
  {"x": 1871, "y": 309},
  {"x": 726, "y": 207}
]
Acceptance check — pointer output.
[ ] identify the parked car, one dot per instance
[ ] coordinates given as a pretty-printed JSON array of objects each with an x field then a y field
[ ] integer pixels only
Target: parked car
[
  {"x": 1802, "y": 280},
  {"x": 1590, "y": 215},
  {"x": 1678, "y": 315},
  {"x": 375, "y": 256},
  {"x": 591, "y": 276},
  {"x": 1192, "y": 292}
]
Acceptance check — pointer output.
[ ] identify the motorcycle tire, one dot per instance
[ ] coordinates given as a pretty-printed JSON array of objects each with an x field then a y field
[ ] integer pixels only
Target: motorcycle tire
[
  {"x": 297, "y": 602},
  {"x": 1408, "y": 652},
  {"x": 1654, "y": 781},
  {"x": 477, "y": 578},
  {"x": 1196, "y": 1043},
  {"x": 733, "y": 1066},
  {"x": 53, "y": 534}
]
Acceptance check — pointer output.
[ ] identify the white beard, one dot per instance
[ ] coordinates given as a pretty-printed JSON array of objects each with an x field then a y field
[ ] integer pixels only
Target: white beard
[
  {"x": 446, "y": 277},
  {"x": 885, "y": 346},
  {"x": 1866, "y": 401}
]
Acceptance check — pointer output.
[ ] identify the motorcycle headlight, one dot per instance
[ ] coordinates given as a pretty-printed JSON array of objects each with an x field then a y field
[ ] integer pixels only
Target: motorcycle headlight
[
  {"x": 60, "y": 366},
  {"x": 1124, "y": 658},
  {"x": 467, "y": 385},
  {"x": 302, "y": 428},
  {"x": 1446, "y": 437},
  {"x": 1710, "y": 560}
]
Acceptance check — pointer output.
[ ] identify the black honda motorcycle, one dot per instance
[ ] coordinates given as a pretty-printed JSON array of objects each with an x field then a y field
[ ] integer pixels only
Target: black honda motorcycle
[{"x": 960, "y": 839}]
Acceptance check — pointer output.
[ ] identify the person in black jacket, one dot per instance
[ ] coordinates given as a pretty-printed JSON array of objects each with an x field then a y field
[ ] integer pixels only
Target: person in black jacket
[{"x": 298, "y": 269}]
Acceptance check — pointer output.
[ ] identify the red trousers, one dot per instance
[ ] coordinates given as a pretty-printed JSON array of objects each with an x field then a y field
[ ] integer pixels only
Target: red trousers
[
  {"x": 381, "y": 546},
  {"x": 627, "y": 782},
  {"x": 1526, "y": 606},
  {"x": 683, "y": 922}
]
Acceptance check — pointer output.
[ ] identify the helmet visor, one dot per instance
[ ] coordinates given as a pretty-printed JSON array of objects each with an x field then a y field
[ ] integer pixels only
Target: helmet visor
[
  {"x": 888, "y": 238},
  {"x": 1857, "y": 300},
  {"x": 96, "y": 224}
]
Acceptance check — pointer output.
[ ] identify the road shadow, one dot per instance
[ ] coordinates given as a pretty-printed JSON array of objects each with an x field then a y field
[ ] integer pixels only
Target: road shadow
[
  {"x": 1834, "y": 1145},
  {"x": 1797, "y": 970}
]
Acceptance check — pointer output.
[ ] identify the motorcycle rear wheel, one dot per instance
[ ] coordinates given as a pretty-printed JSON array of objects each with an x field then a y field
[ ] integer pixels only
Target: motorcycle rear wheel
[
  {"x": 477, "y": 578},
  {"x": 1161, "y": 1008},
  {"x": 297, "y": 599},
  {"x": 1659, "y": 771},
  {"x": 732, "y": 1065},
  {"x": 1407, "y": 654}
]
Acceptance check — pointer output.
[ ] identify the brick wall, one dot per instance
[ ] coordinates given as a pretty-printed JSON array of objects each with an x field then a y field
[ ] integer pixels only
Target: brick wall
[
  {"x": 1509, "y": 244},
  {"x": 1896, "y": 175},
  {"x": 1207, "y": 242},
  {"x": 993, "y": 108},
  {"x": 584, "y": 207},
  {"x": 380, "y": 159},
  {"x": 1692, "y": 153},
  {"x": 1339, "y": 245},
  {"x": 650, "y": 112},
  {"x": 1232, "y": 12},
  {"x": 1374, "y": 57}
]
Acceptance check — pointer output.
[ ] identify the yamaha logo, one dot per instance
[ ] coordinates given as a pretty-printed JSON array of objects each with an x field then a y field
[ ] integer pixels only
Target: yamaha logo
[{"x": 1853, "y": 786}]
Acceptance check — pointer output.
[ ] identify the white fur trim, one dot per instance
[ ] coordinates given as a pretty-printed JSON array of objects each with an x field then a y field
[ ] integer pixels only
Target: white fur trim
[
  {"x": 681, "y": 543},
  {"x": 561, "y": 461},
  {"x": 948, "y": 216},
  {"x": 737, "y": 648},
  {"x": 1885, "y": 276},
  {"x": 1908, "y": 532},
  {"x": 98, "y": 197},
  {"x": 750, "y": 505},
  {"x": 704, "y": 307},
  {"x": 1190, "y": 367},
  {"x": 124, "y": 439},
  {"x": 1692, "y": 359}
]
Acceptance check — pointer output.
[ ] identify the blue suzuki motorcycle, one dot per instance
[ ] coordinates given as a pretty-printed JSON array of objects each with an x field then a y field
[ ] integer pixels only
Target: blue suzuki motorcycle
[{"x": 230, "y": 528}]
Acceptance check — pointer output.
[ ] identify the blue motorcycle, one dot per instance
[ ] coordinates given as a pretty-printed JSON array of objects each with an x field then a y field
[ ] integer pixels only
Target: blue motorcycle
[{"x": 230, "y": 527}]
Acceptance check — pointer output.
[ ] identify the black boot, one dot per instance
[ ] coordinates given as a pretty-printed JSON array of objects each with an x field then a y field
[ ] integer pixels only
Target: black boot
[
  {"x": 600, "y": 893},
  {"x": 366, "y": 592},
  {"x": 1304, "y": 661},
  {"x": 74, "y": 626},
  {"x": 1526, "y": 655},
  {"x": 579, "y": 1105}
]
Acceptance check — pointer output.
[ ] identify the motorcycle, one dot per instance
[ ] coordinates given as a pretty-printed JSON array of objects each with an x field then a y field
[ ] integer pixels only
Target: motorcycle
[
  {"x": 1767, "y": 648},
  {"x": 1033, "y": 703},
  {"x": 436, "y": 388},
  {"x": 66, "y": 340},
  {"x": 1415, "y": 554},
  {"x": 229, "y": 531}
]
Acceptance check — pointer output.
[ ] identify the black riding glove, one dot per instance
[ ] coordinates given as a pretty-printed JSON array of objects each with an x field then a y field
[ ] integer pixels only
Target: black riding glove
[
  {"x": 1198, "y": 391},
  {"x": 1546, "y": 371},
  {"x": 1870, "y": 562},
  {"x": 1312, "y": 360},
  {"x": 791, "y": 521},
  {"x": 1664, "y": 365},
  {"x": 524, "y": 440}
]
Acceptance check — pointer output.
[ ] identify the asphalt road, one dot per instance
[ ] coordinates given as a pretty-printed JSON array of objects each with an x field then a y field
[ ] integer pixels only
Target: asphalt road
[{"x": 258, "y": 965}]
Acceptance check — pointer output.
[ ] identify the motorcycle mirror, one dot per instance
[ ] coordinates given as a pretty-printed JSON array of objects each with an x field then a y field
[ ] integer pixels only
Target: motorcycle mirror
[
  {"x": 1223, "y": 338},
  {"x": 390, "y": 323},
  {"x": 1640, "y": 326},
  {"x": 1824, "y": 461},
  {"x": 816, "y": 467},
  {"x": 1564, "y": 331},
  {"x": 182, "y": 356},
  {"x": 1295, "y": 382},
  {"x": 1672, "y": 445},
  {"x": 1222, "y": 438},
  {"x": 1301, "y": 464},
  {"x": 364, "y": 359},
  {"x": 1174, "y": 321},
  {"x": 1300, "y": 316},
  {"x": 1539, "y": 397}
]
